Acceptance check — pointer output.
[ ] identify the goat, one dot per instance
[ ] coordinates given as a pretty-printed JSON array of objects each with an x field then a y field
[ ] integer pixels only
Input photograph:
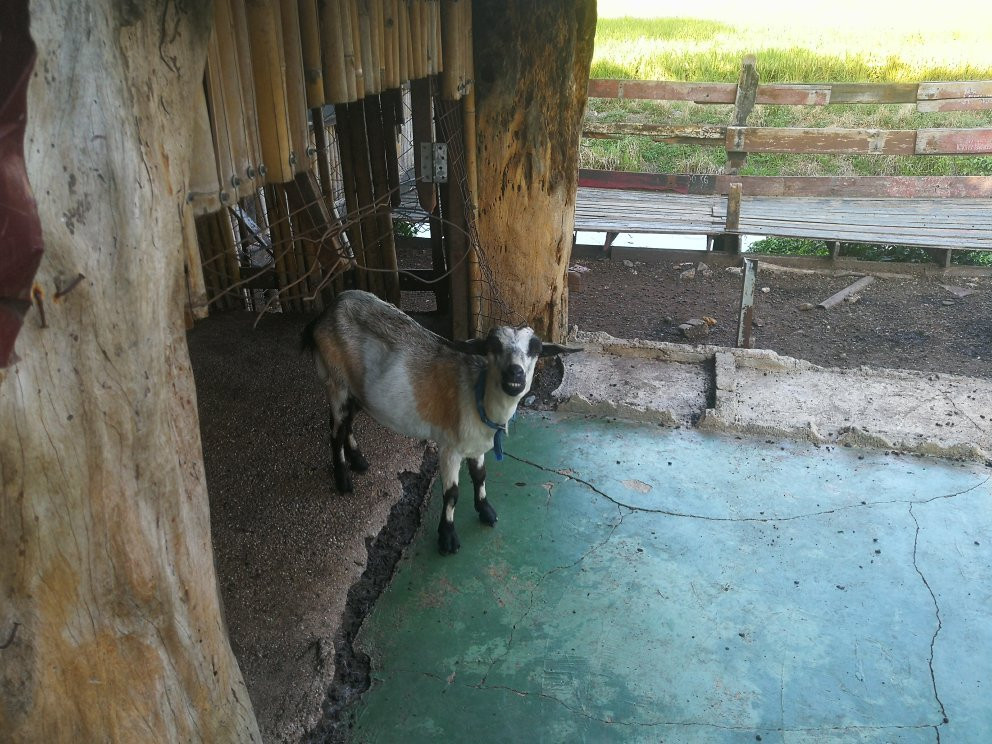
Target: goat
[{"x": 372, "y": 356}]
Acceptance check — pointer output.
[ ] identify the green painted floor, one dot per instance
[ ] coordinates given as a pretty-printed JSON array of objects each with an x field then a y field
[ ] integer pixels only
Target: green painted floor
[{"x": 647, "y": 584}]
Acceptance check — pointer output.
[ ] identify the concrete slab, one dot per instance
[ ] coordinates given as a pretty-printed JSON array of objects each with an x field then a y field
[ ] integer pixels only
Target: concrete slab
[
  {"x": 651, "y": 584},
  {"x": 760, "y": 393}
]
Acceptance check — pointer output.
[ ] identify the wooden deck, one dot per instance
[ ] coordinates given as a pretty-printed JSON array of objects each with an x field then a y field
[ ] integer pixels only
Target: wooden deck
[{"x": 940, "y": 223}]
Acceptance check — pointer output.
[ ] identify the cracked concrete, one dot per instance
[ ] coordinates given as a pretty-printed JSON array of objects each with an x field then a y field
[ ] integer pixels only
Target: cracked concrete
[
  {"x": 648, "y": 583},
  {"x": 759, "y": 393}
]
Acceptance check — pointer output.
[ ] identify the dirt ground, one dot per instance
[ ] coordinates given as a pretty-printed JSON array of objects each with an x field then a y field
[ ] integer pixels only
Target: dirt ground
[
  {"x": 300, "y": 564},
  {"x": 905, "y": 322}
]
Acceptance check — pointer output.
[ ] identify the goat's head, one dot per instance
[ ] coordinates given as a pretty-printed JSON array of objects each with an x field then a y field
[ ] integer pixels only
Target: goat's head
[{"x": 512, "y": 353}]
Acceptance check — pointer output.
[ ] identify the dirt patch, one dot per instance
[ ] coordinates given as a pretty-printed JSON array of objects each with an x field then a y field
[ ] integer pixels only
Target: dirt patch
[{"x": 898, "y": 322}]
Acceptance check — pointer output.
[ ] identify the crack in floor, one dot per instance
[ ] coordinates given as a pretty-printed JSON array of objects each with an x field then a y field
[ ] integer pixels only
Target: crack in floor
[
  {"x": 544, "y": 577},
  {"x": 685, "y": 515},
  {"x": 658, "y": 723},
  {"x": 933, "y": 639}
]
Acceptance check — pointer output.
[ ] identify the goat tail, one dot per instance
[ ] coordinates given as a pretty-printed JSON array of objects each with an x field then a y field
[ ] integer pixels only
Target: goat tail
[{"x": 307, "y": 341}]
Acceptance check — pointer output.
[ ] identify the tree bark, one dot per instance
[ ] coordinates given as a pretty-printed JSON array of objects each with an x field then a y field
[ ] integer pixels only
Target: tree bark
[
  {"x": 109, "y": 606},
  {"x": 532, "y": 69}
]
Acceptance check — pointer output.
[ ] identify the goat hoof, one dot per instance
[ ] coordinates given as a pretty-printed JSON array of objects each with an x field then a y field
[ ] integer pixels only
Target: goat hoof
[
  {"x": 487, "y": 515},
  {"x": 447, "y": 539},
  {"x": 343, "y": 482},
  {"x": 357, "y": 462}
]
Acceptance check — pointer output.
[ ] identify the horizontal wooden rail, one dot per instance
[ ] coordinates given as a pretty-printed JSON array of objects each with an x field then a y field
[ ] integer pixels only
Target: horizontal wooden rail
[
  {"x": 917, "y": 187},
  {"x": 824, "y": 140},
  {"x": 975, "y": 95}
]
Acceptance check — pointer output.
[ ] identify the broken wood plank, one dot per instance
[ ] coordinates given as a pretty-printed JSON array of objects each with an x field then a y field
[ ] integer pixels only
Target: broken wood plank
[
  {"x": 745, "y": 318},
  {"x": 957, "y": 89},
  {"x": 852, "y": 289},
  {"x": 954, "y": 142},
  {"x": 827, "y": 140},
  {"x": 687, "y": 134}
]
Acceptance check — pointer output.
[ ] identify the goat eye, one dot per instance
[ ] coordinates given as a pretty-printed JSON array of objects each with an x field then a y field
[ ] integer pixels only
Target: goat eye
[{"x": 534, "y": 347}]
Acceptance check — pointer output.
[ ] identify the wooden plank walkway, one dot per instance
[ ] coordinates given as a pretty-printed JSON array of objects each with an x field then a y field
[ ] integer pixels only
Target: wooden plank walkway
[{"x": 940, "y": 223}]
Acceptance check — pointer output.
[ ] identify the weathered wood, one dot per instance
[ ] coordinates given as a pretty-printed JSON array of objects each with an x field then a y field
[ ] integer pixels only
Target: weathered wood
[
  {"x": 532, "y": 67},
  {"x": 270, "y": 89},
  {"x": 346, "y": 148},
  {"x": 828, "y": 140},
  {"x": 377, "y": 139},
  {"x": 313, "y": 70},
  {"x": 239, "y": 32},
  {"x": 362, "y": 172},
  {"x": 955, "y": 90},
  {"x": 954, "y": 104},
  {"x": 296, "y": 87},
  {"x": 938, "y": 187},
  {"x": 204, "y": 180},
  {"x": 837, "y": 298},
  {"x": 660, "y": 90},
  {"x": 784, "y": 94},
  {"x": 334, "y": 67},
  {"x": 733, "y": 207},
  {"x": 423, "y": 131},
  {"x": 747, "y": 88},
  {"x": 234, "y": 105},
  {"x": 220, "y": 128},
  {"x": 954, "y": 142},
  {"x": 873, "y": 92},
  {"x": 685, "y": 134},
  {"x": 107, "y": 570},
  {"x": 745, "y": 318}
]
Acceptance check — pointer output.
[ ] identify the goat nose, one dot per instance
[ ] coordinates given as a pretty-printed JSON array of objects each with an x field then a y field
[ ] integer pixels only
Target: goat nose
[{"x": 514, "y": 373}]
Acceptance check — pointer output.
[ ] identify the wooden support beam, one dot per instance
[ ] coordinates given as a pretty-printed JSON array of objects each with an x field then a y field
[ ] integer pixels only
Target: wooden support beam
[
  {"x": 362, "y": 171},
  {"x": 745, "y": 318},
  {"x": 270, "y": 89},
  {"x": 249, "y": 103},
  {"x": 296, "y": 87},
  {"x": 423, "y": 131},
  {"x": 348, "y": 178},
  {"x": 379, "y": 134},
  {"x": 734, "y": 207}
]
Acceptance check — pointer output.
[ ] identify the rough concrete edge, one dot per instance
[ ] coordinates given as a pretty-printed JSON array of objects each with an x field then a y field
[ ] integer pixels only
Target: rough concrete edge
[
  {"x": 352, "y": 668},
  {"x": 722, "y": 417}
]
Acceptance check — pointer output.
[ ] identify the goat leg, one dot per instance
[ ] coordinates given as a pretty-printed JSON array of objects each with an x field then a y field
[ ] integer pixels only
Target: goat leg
[
  {"x": 477, "y": 469},
  {"x": 447, "y": 538}
]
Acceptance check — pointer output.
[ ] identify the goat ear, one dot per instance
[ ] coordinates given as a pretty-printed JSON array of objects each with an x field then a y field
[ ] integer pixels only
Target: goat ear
[
  {"x": 552, "y": 349},
  {"x": 477, "y": 346}
]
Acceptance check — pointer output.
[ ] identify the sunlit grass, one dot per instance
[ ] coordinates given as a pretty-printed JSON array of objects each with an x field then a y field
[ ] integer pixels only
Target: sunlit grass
[{"x": 804, "y": 43}]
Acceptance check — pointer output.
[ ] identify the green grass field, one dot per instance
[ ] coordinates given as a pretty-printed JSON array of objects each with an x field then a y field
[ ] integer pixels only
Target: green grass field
[{"x": 839, "y": 42}]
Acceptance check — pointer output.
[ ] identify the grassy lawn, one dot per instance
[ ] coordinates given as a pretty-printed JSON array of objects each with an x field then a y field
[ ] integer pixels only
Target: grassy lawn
[{"x": 842, "y": 41}]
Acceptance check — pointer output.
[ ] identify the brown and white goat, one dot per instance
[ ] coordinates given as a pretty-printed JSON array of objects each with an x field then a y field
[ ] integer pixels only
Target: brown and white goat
[{"x": 372, "y": 356}]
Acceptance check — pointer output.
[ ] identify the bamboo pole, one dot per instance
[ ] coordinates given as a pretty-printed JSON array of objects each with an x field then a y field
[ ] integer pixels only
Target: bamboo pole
[
  {"x": 378, "y": 46},
  {"x": 296, "y": 95},
  {"x": 365, "y": 40},
  {"x": 377, "y": 128},
  {"x": 387, "y": 44},
  {"x": 218, "y": 118},
  {"x": 249, "y": 116},
  {"x": 270, "y": 89},
  {"x": 351, "y": 10},
  {"x": 234, "y": 106},
  {"x": 438, "y": 49},
  {"x": 416, "y": 36},
  {"x": 231, "y": 257},
  {"x": 365, "y": 194},
  {"x": 392, "y": 117},
  {"x": 313, "y": 71},
  {"x": 334, "y": 59},
  {"x": 204, "y": 181},
  {"x": 203, "y": 239},
  {"x": 403, "y": 39},
  {"x": 347, "y": 149}
]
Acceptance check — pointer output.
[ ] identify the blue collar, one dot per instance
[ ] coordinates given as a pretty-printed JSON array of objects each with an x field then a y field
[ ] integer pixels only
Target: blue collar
[{"x": 501, "y": 430}]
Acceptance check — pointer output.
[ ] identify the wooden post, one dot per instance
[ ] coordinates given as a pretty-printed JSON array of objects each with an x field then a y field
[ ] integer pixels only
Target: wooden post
[
  {"x": 377, "y": 138},
  {"x": 362, "y": 171},
  {"x": 746, "y": 317},
  {"x": 392, "y": 111},
  {"x": 220, "y": 128},
  {"x": 423, "y": 131},
  {"x": 835, "y": 250},
  {"x": 747, "y": 91},
  {"x": 343, "y": 127}
]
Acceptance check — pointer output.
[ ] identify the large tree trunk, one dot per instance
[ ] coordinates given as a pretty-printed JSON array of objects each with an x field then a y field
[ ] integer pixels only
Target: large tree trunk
[
  {"x": 532, "y": 69},
  {"x": 108, "y": 595}
]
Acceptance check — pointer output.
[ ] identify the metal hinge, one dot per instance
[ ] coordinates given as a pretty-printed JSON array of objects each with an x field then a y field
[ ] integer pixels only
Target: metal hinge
[{"x": 433, "y": 162}]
